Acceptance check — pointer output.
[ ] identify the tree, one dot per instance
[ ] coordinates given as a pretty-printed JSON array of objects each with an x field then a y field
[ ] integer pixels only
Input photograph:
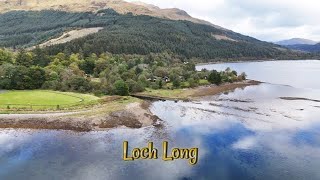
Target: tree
[
  {"x": 215, "y": 77},
  {"x": 40, "y": 58},
  {"x": 176, "y": 81},
  {"x": 24, "y": 58},
  {"x": 100, "y": 66},
  {"x": 160, "y": 83},
  {"x": 88, "y": 64},
  {"x": 134, "y": 86},
  {"x": 15, "y": 77},
  {"x": 235, "y": 73},
  {"x": 6, "y": 72},
  {"x": 143, "y": 80},
  {"x": 243, "y": 76},
  {"x": 161, "y": 72},
  {"x": 37, "y": 77},
  {"x": 138, "y": 70},
  {"x": 5, "y": 57},
  {"x": 190, "y": 67},
  {"x": 78, "y": 83},
  {"x": 121, "y": 88}
]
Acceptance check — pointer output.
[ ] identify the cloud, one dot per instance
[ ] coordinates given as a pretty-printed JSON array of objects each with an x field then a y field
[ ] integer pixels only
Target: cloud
[
  {"x": 245, "y": 143},
  {"x": 268, "y": 20}
]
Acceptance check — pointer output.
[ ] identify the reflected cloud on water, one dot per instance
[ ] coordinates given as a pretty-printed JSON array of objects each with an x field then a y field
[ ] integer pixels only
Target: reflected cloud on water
[{"x": 249, "y": 133}]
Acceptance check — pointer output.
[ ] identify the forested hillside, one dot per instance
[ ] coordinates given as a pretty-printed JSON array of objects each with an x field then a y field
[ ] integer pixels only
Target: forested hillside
[
  {"x": 128, "y": 34},
  {"x": 305, "y": 47}
]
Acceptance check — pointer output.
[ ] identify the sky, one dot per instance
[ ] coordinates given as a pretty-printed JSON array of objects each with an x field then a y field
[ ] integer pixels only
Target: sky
[{"x": 268, "y": 20}]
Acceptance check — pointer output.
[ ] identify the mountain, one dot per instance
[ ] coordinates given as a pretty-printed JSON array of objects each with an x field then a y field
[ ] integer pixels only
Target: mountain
[
  {"x": 119, "y": 27},
  {"x": 306, "y": 48},
  {"x": 300, "y": 44},
  {"x": 296, "y": 41},
  {"x": 120, "y": 6},
  {"x": 130, "y": 34}
]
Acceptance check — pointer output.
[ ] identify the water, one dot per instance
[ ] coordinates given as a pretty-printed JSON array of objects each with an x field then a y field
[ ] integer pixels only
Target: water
[
  {"x": 250, "y": 133},
  {"x": 297, "y": 73}
]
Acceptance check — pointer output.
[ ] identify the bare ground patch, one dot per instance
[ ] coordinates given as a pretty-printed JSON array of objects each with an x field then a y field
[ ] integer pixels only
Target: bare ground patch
[
  {"x": 131, "y": 115},
  {"x": 70, "y": 35},
  {"x": 214, "y": 90}
]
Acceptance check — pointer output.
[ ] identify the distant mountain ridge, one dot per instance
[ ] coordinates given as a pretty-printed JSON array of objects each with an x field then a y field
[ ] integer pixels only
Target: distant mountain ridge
[
  {"x": 306, "y": 48},
  {"x": 295, "y": 41},
  {"x": 300, "y": 44}
]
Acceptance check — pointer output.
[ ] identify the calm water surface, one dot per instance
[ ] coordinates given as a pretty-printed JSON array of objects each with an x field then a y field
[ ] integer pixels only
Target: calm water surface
[
  {"x": 297, "y": 73},
  {"x": 250, "y": 133}
]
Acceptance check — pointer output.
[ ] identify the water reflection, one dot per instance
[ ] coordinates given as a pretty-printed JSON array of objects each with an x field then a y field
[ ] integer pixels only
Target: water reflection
[
  {"x": 257, "y": 134},
  {"x": 249, "y": 133},
  {"x": 297, "y": 73}
]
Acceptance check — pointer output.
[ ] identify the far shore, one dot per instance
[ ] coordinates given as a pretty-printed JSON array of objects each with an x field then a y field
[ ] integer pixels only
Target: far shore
[
  {"x": 249, "y": 61},
  {"x": 190, "y": 94},
  {"x": 114, "y": 113}
]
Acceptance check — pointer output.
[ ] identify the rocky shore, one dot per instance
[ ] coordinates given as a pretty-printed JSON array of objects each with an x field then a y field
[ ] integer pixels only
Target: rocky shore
[{"x": 135, "y": 115}]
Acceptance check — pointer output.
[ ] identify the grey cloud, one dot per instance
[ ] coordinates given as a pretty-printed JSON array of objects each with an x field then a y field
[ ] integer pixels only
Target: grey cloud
[{"x": 268, "y": 20}]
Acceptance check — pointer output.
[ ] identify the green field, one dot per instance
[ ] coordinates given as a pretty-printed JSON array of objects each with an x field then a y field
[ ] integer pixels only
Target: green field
[{"x": 43, "y": 100}]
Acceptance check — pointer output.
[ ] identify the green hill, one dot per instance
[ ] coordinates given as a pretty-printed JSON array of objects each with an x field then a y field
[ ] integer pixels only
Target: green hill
[{"x": 129, "y": 34}]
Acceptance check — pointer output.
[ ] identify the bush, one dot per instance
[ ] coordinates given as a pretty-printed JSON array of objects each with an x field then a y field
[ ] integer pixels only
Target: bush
[
  {"x": 176, "y": 81},
  {"x": 215, "y": 77},
  {"x": 160, "y": 83},
  {"x": 121, "y": 88},
  {"x": 154, "y": 85},
  {"x": 243, "y": 76},
  {"x": 193, "y": 83},
  {"x": 134, "y": 86},
  {"x": 138, "y": 88},
  {"x": 54, "y": 85},
  {"x": 77, "y": 83}
]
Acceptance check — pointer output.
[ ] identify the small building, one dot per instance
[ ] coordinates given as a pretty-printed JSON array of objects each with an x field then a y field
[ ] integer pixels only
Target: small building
[
  {"x": 153, "y": 79},
  {"x": 166, "y": 79}
]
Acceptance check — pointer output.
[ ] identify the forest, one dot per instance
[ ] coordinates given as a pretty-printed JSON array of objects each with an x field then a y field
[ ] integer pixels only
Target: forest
[
  {"x": 131, "y": 53},
  {"x": 129, "y": 34},
  {"x": 106, "y": 74}
]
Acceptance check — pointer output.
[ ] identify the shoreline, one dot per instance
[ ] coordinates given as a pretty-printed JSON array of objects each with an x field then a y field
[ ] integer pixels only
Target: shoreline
[
  {"x": 112, "y": 114},
  {"x": 252, "y": 61},
  {"x": 134, "y": 115},
  {"x": 215, "y": 90},
  {"x": 190, "y": 94}
]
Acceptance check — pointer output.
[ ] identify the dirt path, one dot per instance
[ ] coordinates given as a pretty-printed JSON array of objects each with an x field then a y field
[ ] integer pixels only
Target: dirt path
[{"x": 28, "y": 116}]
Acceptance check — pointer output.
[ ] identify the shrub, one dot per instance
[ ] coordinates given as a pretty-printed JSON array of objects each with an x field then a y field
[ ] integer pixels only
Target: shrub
[
  {"x": 192, "y": 82},
  {"x": 134, "y": 86},
  {"x": 243, "y": 76},
  {"x": 215, "y": 77},
  {"x": 121, "y": 88},
  {"x": 77, "y": 83}
]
